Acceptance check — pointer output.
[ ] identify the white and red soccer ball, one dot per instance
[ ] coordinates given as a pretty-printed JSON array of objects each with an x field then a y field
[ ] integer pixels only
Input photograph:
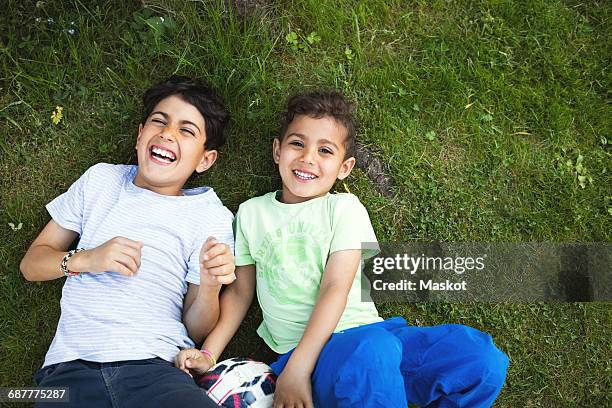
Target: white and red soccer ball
[{"x": 240, "y": 383}]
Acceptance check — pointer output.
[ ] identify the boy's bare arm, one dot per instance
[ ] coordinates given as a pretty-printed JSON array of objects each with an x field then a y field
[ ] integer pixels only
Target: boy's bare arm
[
  {"x": 235, "y": 302},
  {"x": 335, "y": 286},
  {"x": 201, "y": 310},
  {"x": 43, "y": 259},
  {"x": 201, "y": 305}
]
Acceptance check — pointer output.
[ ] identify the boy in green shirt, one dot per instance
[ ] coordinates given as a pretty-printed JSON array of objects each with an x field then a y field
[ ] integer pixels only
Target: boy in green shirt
[{"x": 301, "y": 248}]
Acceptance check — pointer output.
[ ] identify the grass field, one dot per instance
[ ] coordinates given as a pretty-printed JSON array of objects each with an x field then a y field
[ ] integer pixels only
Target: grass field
[{"x": 492, "y": 118}]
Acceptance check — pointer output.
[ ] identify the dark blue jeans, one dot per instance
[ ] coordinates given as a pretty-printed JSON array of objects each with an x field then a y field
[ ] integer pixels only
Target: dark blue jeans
[{"x": 139, "y": 383}]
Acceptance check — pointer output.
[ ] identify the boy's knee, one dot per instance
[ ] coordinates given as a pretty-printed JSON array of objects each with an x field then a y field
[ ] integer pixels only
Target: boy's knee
[
  {"x": 495, "y": 362},
  {"x": 486, "y": 358},
  {"x": 379, "y": 338},
  {"x": 371, "y": 375},
  {"x": 376, "y": 347}
]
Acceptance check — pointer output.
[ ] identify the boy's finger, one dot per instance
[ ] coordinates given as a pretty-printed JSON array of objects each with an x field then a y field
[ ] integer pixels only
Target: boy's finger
[
  {"x": 212, "y": 249},
  {"x": 130, "y": 242},
  {"x": 201, "y": 367},
  {"x": 186, "y": 361},
  {"x": 181, "y": 364},
  {"x": 192, "y": 361},
  {"x": 222, "y": 270},
  {"x": 127, "y": 261},
  {"x": 122, "y": 269},
  {"x": 180, "y": 358},
  {"x": 132, "y": 253},
  {"x": 177, "y": 360},
  {"x": 197, "y": 365},
  {"x": 226, "y": 279},
  {"x": 219, "y": 260},
  {"x": 209, "y": 243}
]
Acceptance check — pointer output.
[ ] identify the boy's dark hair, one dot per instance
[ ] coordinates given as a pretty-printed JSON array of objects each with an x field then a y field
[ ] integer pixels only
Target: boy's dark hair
[
  {"x": 199, "y": 94},
  {"x": 321, "y": 103}
]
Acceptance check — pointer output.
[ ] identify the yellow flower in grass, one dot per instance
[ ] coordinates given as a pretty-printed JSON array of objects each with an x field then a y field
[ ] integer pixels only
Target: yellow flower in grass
[{"x": 56, "y": 116}]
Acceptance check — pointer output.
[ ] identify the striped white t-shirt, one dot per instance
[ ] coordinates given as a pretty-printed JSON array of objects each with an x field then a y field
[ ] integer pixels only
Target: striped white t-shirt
[{"x": 109, "y": 317}]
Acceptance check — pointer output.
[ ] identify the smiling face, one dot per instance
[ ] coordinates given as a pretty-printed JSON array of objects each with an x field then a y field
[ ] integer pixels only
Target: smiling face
[
  {"x": 170, "y": 147},
  {"x": 311, "y": 157}
]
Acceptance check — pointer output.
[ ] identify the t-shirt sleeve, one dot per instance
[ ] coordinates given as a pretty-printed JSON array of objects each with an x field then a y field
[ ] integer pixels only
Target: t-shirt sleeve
[
  {"x": 222, "y": 231},
  {"x": 352, "y": 228},
  {"x": 67, "y": 209},
  {"x": 242, "y": 252}
]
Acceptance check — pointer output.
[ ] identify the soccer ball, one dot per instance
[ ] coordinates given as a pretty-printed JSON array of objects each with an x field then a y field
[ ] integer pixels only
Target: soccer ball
[{"x": 240, "y": 383}]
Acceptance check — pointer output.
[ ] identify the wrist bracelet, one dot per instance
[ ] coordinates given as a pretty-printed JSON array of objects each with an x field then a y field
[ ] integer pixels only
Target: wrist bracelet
[
  {"x": 210, "y": 356},
  {"x": 64, "y": 264}
]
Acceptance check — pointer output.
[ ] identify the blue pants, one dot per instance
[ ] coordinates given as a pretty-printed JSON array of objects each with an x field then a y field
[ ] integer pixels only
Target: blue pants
[
  {"x": 139, "y": 383},
  {"x": 389, "y": 364}
]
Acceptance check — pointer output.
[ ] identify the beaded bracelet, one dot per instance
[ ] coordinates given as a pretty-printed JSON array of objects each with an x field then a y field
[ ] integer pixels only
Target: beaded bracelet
[
  {"x": 210, "y": 356},
  {"x": 64, "y": 264}
]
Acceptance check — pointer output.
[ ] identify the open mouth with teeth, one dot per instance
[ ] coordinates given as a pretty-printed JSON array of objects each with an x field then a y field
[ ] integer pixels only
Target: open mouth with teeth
[
  {"x": 304, "y": 176},
  {"x": 161, "y": 155}
]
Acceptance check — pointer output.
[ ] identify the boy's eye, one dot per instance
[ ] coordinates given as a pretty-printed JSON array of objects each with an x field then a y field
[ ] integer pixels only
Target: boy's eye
[
  {"x": 326, "y": 150},
  {"x": 296, "y": 143},
  {"x": 158, "y": 121},
  {"x": 189, "y": 131}
]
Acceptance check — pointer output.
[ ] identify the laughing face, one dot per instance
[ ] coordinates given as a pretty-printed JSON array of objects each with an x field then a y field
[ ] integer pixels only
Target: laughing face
[
  {"x": 170, "y": 147},
  {"x": 311, "y": 157}
]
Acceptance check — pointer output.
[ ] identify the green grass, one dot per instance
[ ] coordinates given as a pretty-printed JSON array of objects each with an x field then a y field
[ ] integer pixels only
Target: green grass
[{"x": 475, "y": 107}]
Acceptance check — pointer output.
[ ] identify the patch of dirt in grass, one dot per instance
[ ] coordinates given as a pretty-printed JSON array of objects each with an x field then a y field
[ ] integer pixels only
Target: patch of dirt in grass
[
  {"x": 452, "y": 158},
  {"x": 375, "y": 170},
  {"x": 248, "y": 8}
]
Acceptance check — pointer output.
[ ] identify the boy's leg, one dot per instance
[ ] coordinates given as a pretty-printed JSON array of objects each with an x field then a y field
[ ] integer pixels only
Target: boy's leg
[
  {"x": 449, "y": 365},
  {"x": 84, "y": 381},
  {"x": 359, "y": 367},
  {"x": 156, "y": 383}
]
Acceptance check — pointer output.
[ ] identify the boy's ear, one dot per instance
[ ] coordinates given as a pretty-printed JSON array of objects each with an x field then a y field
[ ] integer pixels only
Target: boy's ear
[
  {"x": 276, "y": 150},
  {"x": 138, "y": 137},
  {"x": 208, "y": 159},
  {"x": 346, "y": 167}
]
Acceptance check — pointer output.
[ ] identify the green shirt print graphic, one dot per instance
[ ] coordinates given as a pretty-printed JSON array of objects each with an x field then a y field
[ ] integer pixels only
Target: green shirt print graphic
[{"x": 291, "y": 261}]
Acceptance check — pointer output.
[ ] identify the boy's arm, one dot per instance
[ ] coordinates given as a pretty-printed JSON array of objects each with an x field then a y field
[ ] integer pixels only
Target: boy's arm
[
  {"x": 201, "y": 305},
  {"x": 338, "y": 277},
  {"x": 235, "y": 302},
  {"x": 43, "y": 259},
  {"x": 201, "y": 310}
]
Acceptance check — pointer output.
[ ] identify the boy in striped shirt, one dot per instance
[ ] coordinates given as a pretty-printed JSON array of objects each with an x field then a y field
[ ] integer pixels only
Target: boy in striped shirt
[{"x": 151, "y": 258}]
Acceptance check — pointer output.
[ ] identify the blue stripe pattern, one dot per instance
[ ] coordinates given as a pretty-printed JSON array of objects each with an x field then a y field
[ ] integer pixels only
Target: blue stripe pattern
[{"x": 109, "y": 317}]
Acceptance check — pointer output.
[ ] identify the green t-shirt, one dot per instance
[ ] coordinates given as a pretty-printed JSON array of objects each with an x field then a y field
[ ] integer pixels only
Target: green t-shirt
[{"x": 289, "y": 245}]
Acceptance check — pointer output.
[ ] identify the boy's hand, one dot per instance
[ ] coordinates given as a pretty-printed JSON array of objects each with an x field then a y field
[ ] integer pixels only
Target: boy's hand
[
  {"x": 216, "y": 263},
  {"x": 119, "y": 254},
  {"x": 192, "y": 361},
  {"x": 293, "y": 389}
]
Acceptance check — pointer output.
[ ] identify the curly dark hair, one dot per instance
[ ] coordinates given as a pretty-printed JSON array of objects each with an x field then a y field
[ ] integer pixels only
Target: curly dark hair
[
  {"x": 199, "y": 94},
  {"x": 321, "y": 103}
]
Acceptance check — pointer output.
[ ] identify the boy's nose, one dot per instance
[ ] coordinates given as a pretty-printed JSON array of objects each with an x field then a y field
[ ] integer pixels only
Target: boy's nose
[
  {"x": 167, "y": 134},
  {"x": 308, "y": 156}
]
